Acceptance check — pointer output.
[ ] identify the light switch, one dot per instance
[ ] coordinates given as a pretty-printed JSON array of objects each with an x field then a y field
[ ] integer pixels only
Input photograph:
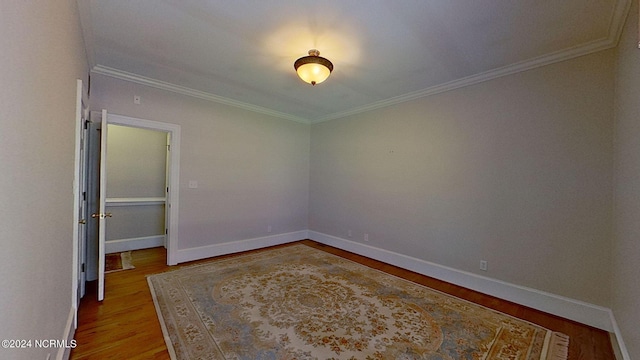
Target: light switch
[{"x": 193, "y": 184}]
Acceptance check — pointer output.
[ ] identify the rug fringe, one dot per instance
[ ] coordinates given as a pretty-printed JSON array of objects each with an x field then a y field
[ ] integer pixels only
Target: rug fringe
[{"x": 558, "y": 347}]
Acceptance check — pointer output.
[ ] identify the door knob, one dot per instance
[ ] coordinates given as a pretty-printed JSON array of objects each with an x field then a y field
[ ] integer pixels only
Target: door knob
[
  {"x": 83, "y": 221},
  {"x": 101, "y": 216}
]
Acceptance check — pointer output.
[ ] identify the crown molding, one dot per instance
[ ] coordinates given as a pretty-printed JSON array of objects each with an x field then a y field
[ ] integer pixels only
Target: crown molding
[
  {"x": 618, "y": 19},
  {"x": 142, "y": 80},
  {"x": 478, "y": 78},
  {"x": 616, "y": 25},
  {"x": 84, "y": 12}
]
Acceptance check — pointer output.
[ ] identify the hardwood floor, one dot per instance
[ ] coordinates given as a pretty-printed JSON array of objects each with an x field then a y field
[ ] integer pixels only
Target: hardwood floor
[{"x": 125, "y": 325}]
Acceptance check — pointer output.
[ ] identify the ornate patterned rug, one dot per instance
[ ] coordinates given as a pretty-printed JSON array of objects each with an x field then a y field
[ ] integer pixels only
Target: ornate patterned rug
[{"x": 298, "y": 302}]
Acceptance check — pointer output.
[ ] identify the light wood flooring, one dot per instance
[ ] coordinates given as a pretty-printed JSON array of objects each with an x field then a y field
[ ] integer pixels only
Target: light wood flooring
[{"x": 125, "y": 325}]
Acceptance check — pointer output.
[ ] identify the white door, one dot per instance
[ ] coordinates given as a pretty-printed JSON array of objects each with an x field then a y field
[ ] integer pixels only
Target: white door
[
  {"x": 102, "y": 215},
  {"x": 167, "y": 182},
  {"x": 80, "y": 209}
]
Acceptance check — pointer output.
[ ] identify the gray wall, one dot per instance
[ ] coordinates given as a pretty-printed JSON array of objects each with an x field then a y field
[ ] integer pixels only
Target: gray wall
[
  {"x": 136, "y": 161},
  {"x": 516, "y": 171},
  {"x": 252, "y": 169},
  {"x": 626, "y": 245},
  {"x": 136, "y": 164},
  {"x": 42, "y": 56}
]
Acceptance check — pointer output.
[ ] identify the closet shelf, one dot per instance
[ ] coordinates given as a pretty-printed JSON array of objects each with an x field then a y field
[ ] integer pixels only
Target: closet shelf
[{"x": 138, "y": 201}]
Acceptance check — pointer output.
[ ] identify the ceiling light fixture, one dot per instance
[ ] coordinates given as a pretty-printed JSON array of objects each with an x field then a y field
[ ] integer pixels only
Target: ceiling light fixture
[{"x": 313, "y": 69}]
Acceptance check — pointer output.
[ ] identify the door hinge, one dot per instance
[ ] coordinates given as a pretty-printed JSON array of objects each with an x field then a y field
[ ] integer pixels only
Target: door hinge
[
  {"x": 84, "y": 196},
  {"x": 82, "y": 268},
  {"x": 166, "y": 231},
  {"x": 168, "y": 147}
]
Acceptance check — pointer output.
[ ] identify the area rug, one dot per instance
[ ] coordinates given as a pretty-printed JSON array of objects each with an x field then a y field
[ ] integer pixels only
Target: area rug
[
  {"x": 118, "y": 262},
  {"x": 298, "y": 302}
]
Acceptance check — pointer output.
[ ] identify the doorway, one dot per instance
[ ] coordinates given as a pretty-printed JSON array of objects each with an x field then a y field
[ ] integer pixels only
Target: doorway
[
  {"x": 132, "y": 214},
  {"x": 137, "y": 181}
]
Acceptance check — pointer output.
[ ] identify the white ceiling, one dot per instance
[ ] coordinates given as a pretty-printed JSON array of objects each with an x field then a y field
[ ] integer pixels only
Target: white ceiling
[{"x": 241, "y": 52}]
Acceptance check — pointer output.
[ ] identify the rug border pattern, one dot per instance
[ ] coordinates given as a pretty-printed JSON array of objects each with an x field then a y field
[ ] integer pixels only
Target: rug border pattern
[{"x": 555, "y": 344}]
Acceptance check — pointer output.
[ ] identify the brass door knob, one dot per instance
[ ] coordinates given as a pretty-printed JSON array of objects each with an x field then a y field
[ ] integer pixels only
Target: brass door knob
[{"x": 101, "y": 216}]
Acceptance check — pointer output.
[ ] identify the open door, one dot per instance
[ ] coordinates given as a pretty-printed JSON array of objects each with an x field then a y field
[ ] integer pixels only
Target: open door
[
  {"x": 97, "y": 189},
  {"x": 167, "y": 183},
  {"x": 102, "y": 215},
  {"x": 80, "y": 200},
  {"x": 172, "y": 175}
]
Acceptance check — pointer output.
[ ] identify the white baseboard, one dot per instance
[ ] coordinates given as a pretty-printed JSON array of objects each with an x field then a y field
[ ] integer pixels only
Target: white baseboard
[
  {"x": 208, "y": 251},
  {"x": 620, "y": 349},
  {"x": 576, "y": 310},
  {"x": 69, "y": 332},
  {"x": 585, "y": 313},
  {"x": 120, "y": 245}
]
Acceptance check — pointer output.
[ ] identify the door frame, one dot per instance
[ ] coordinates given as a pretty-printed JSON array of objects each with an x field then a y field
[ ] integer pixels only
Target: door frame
[{"x": 173, "y": 175}]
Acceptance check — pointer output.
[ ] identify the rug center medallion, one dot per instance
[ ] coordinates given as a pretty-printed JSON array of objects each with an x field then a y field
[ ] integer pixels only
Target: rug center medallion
[{"x": 299, "y": 305}]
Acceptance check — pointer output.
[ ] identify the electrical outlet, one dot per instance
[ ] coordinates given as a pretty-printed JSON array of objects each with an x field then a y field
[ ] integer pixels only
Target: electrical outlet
[
  {"x": 366, "y": 237},
  {"x": 483, "y": 265}
]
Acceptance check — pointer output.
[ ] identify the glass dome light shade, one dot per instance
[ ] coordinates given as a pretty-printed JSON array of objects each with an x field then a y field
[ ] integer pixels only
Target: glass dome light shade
[{"x": 313, "y": 69}]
